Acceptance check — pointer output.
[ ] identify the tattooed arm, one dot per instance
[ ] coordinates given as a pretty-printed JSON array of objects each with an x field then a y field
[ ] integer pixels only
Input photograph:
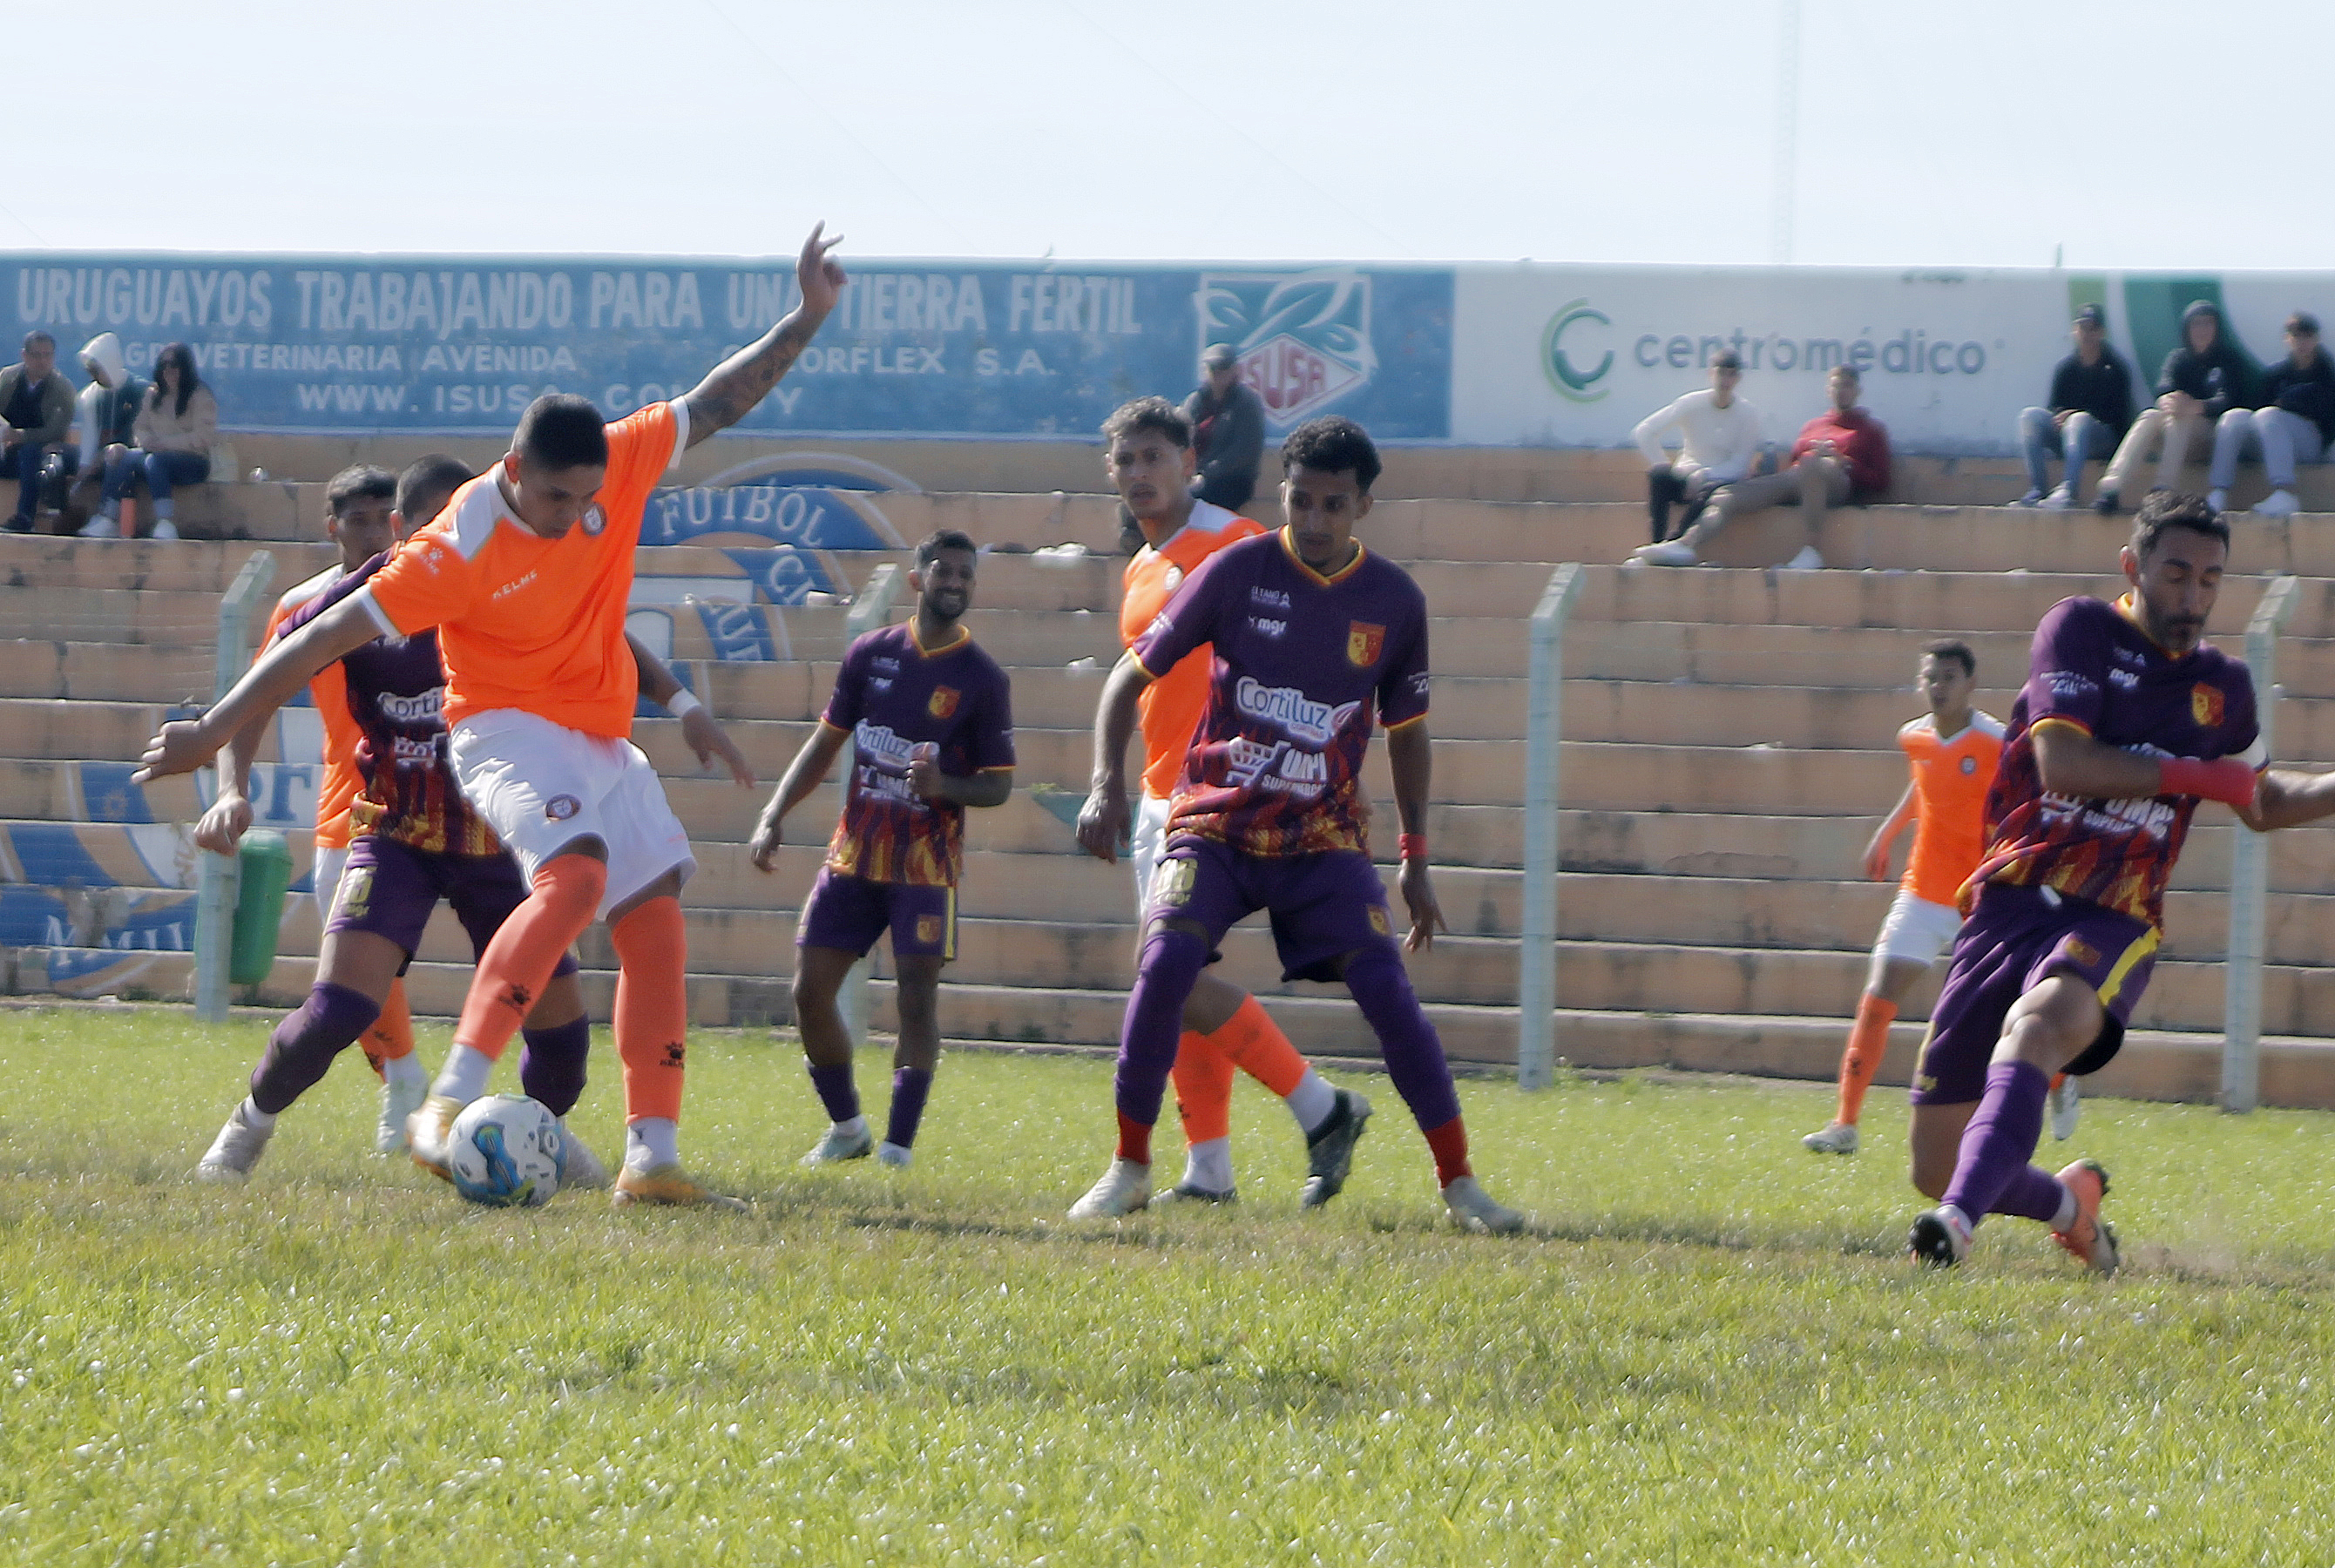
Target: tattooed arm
[{"x": 744, "y": 379}]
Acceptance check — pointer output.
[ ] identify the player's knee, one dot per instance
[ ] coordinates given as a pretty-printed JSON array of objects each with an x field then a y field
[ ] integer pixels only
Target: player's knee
[
  {"x": 917, "y": 993},
  {"x": 574, "y": 882}
]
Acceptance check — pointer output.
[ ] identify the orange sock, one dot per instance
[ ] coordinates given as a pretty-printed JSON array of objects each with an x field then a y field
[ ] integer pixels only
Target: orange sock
[
  {"x": 391, "y": 1038},
  {"x": 518, "y": 964},
  {"x": 1868, "y": 1041},
  {"x": 652, "y": 1007},
  {"x": 1203, "y": 1088},
  {"x": 1253, "y": 1043}
]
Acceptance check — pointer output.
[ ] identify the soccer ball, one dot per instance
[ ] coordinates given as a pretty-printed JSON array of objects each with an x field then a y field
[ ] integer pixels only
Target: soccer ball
[{"x": 507, "y": 1151}]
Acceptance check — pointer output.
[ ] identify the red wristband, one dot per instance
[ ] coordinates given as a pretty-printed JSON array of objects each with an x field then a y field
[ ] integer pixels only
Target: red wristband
[
  {"x": 1412, "y": 846},
  {"x": 2229, "y": 779}
]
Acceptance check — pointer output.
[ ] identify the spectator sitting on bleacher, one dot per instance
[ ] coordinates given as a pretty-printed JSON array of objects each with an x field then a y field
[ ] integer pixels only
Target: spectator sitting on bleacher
[
  {"x": 1842, "y": 456},
  {"x": 106, "y": 417},
  {"x": 2202, "y": 380},
  {"x": 2295, "y": 423},
  {"x": 2091, "y": 408},
  {"x": 36, "y": 408},
  {"x": 177, "y": 423},
  {"x": 1718, "y": 436}
]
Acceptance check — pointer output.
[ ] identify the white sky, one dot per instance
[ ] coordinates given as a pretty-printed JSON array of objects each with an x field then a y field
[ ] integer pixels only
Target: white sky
[{"x": 2135, "y": 133}]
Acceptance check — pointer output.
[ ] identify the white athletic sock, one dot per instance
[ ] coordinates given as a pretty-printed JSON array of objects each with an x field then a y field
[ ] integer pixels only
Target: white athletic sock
[
  {"x": 1209, "y": 1163},
  {"x": 464, "y": 1076},
  {"x": 1312, "y": 1101},
  {"x": 854, "y": 1127},
  {"x": 650, "y": 1142},
  {"x": 2067, "y": 1215},
  {"x": 253, "y": 1117},
  {"x": 406, "y": 1069}
]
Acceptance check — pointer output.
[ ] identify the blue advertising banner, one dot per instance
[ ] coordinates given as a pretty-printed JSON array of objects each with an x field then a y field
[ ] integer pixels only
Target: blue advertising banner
[{"x": 437, "y": 346}]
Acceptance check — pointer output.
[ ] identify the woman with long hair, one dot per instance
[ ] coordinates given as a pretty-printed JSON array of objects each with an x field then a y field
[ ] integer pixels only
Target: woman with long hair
[{"x": 176, "y": 425}]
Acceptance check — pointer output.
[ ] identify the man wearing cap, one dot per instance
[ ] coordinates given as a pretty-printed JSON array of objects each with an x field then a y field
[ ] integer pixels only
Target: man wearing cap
[
  {"x": 2295, "y": 422},
  {"x": 1227, "y": 430},
  {"x": 2201, "y": 381},
  {"x": 1719, "y": 435},
  {"x": 2091, "y": 407}
]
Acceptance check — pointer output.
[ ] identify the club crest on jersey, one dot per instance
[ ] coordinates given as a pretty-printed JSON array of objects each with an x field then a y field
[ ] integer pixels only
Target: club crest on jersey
[
  {"x": 944, "y": 702},
  {"x": 1969, "y": 765},
  {"x": 594, "y": 519},
  {"x": 1364, "y": 643},
  {"x": 2205, "y": 706},
  {"x": 560, "y": 808},
  {"x": 2080, "y": 952}
]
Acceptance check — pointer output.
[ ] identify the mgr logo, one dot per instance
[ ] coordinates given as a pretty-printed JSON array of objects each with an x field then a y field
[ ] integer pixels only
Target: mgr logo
[
  {"x": 1303, "y": 339},
  {"x": 1577, "y": 323}
]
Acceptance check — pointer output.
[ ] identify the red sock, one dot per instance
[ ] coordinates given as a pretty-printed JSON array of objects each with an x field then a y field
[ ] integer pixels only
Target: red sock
[
  {"x": 1449, "y": 1143},
  {"x": 518, "y": 964},
  {"x": 1134, "y": 1140},
  {"x": 652, "y": 1024}
]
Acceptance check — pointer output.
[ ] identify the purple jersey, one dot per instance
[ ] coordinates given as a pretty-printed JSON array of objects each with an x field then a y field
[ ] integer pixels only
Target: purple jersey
[
  {"x": 1304, "y": 664},
  {"x": 893, "y": 696},
  {"x": 2093, "y": 669},
  {"x": 396, "y": 687}
]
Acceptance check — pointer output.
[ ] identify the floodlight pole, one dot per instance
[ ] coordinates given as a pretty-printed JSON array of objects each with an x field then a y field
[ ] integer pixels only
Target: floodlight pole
[
  {"x": 1537, "y": 957},
  {"x": 2242, "y": 981}
]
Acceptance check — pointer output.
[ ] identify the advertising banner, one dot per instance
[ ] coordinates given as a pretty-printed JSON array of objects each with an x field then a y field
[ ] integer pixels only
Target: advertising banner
[{"x": 933, "y": 349}]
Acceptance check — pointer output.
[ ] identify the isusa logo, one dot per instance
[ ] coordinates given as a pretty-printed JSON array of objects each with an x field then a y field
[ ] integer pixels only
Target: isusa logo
[{"x": 1576, "y": 321}]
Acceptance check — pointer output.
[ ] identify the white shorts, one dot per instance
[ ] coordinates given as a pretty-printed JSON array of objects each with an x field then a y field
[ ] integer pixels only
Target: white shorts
[
  {"x": 1917, "y": 931},
  {"x": 1150, "y": 837},
  {"x": 325, "y": 878},
  {"x": 540, "y": 786}
]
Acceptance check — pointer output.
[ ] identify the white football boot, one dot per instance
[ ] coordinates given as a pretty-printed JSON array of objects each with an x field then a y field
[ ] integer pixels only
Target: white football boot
[
  {"x": 235, "y": 1150},
  {"x": 1124, "y": 1189}
]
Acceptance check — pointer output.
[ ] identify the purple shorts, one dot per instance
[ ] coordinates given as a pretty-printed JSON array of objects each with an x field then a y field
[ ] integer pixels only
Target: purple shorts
[
  {"x": 849, "y": 912},
  {"x": 390, "y": 889},
  {"x": 2014, "y": 940},
  {"x": 1322, "y": 906}
]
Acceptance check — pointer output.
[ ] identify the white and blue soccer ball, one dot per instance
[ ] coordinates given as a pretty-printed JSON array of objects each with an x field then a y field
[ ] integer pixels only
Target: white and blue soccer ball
[{"x": 507, "y": 1151}]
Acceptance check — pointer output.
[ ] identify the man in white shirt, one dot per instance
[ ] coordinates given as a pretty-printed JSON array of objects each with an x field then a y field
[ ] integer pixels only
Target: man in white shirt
[{"x": 1719, "y": 435}]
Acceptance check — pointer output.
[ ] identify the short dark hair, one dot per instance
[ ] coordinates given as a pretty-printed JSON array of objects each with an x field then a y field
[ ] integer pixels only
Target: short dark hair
[
  {"x": 562, "y": 431},
  {"x": 37, "y": 337},
  {"x": 1728, "y": 359},
  {"x": 434, "y": 475},
  {"x": 1953, "y": 648},
  {"x": 1848, "y": 370},
  {"x": 360, "y": 483},
  {"x": 2164, "y": 510},
  {"x": 1151, "y": 413},
  {"x": 941, "y": 539},
  {"x": 1333, "y": 445}
]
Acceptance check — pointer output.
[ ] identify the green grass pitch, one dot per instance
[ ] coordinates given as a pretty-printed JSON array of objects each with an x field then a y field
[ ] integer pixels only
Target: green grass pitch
[{"x": 1708, "y": 1351}]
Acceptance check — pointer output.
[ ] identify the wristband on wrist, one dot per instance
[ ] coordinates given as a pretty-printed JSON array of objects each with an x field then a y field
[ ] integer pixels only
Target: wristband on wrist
[
  {"x": 1412, "y": 846},
  {"x": 2228, "y": 779},
  {"x": 682, "y": 703}
]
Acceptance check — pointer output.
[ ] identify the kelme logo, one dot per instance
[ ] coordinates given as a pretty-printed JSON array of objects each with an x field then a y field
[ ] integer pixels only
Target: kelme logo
[{"x": 1573, "y": 332}]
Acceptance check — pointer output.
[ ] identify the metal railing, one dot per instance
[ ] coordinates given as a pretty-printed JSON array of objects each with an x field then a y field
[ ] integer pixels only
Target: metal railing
[
  {"x": 218, "y": 878},
  {"x": 1537, "y": 969},
  {"x": 2242, "y": 981}
]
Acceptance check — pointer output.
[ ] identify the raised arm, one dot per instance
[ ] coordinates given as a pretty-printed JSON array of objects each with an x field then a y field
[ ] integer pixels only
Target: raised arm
[
  {"x": 744, "y": 379},
  {"x": 280, "y": 672},
  {"x": 1102, "y": 821}
]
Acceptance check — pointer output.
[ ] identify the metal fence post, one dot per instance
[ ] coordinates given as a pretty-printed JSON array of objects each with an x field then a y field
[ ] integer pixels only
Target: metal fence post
[
  {"x": 2250, "y": 876},
  {"x": 871, "y": 608},
  {"x": 1536, "y": 966},
  {"x": 218, "y": 876}
]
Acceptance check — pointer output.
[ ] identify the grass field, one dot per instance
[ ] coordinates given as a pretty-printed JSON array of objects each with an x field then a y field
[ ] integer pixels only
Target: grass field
[{"x": 1708, "y": 1351}]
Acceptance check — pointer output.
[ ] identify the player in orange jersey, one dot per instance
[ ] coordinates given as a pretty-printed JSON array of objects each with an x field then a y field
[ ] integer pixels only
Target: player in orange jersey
[
  {"x": 1148, "y": 457},
  {"x": 526, "y": 574},
  {"x": 361, "y": 518},
  {"x": 1950, "y": 751}
]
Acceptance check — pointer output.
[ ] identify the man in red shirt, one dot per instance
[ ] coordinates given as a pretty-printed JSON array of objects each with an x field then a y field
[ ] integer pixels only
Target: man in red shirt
[{"x": 1842, "y": 456}]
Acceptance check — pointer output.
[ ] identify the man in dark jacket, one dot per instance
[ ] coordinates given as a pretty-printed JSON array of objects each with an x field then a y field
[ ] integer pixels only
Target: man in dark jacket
[
  {"x": 1228, "y": 432},
  {"x": 2295, "y": 423},
  {"x": 2203, "y": 380},
  {"x": 2091, "y": 407},
  {"x": 37, "y": 410}
]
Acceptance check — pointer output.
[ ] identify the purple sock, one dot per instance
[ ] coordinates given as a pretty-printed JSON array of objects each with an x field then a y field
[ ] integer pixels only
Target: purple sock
[
  {"x": 2034, "y": 1194},
  {"x": 910, "y": 1085},
  {"x": 1172, "y": 960},
  {"x": 305, "y": 1043},
  {"x": 1414, "y": 1056},
  {"x": 1999, "y": 1141},
  {"x": 551, "y": 1063},
  {"x": 835, "y": 1090}
]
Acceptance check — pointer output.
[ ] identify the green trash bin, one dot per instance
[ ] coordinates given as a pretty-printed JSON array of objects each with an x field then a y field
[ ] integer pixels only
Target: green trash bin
[{"x": 265, "y": 862}]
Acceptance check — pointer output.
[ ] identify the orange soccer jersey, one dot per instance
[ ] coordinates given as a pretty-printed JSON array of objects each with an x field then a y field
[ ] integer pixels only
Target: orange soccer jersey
[
  {"x": 342, "y": 783},
  {"x": 530, "y": 623},
  {"x": 1171, "y": 706},
  {"x": 1951, "y": 779}
]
